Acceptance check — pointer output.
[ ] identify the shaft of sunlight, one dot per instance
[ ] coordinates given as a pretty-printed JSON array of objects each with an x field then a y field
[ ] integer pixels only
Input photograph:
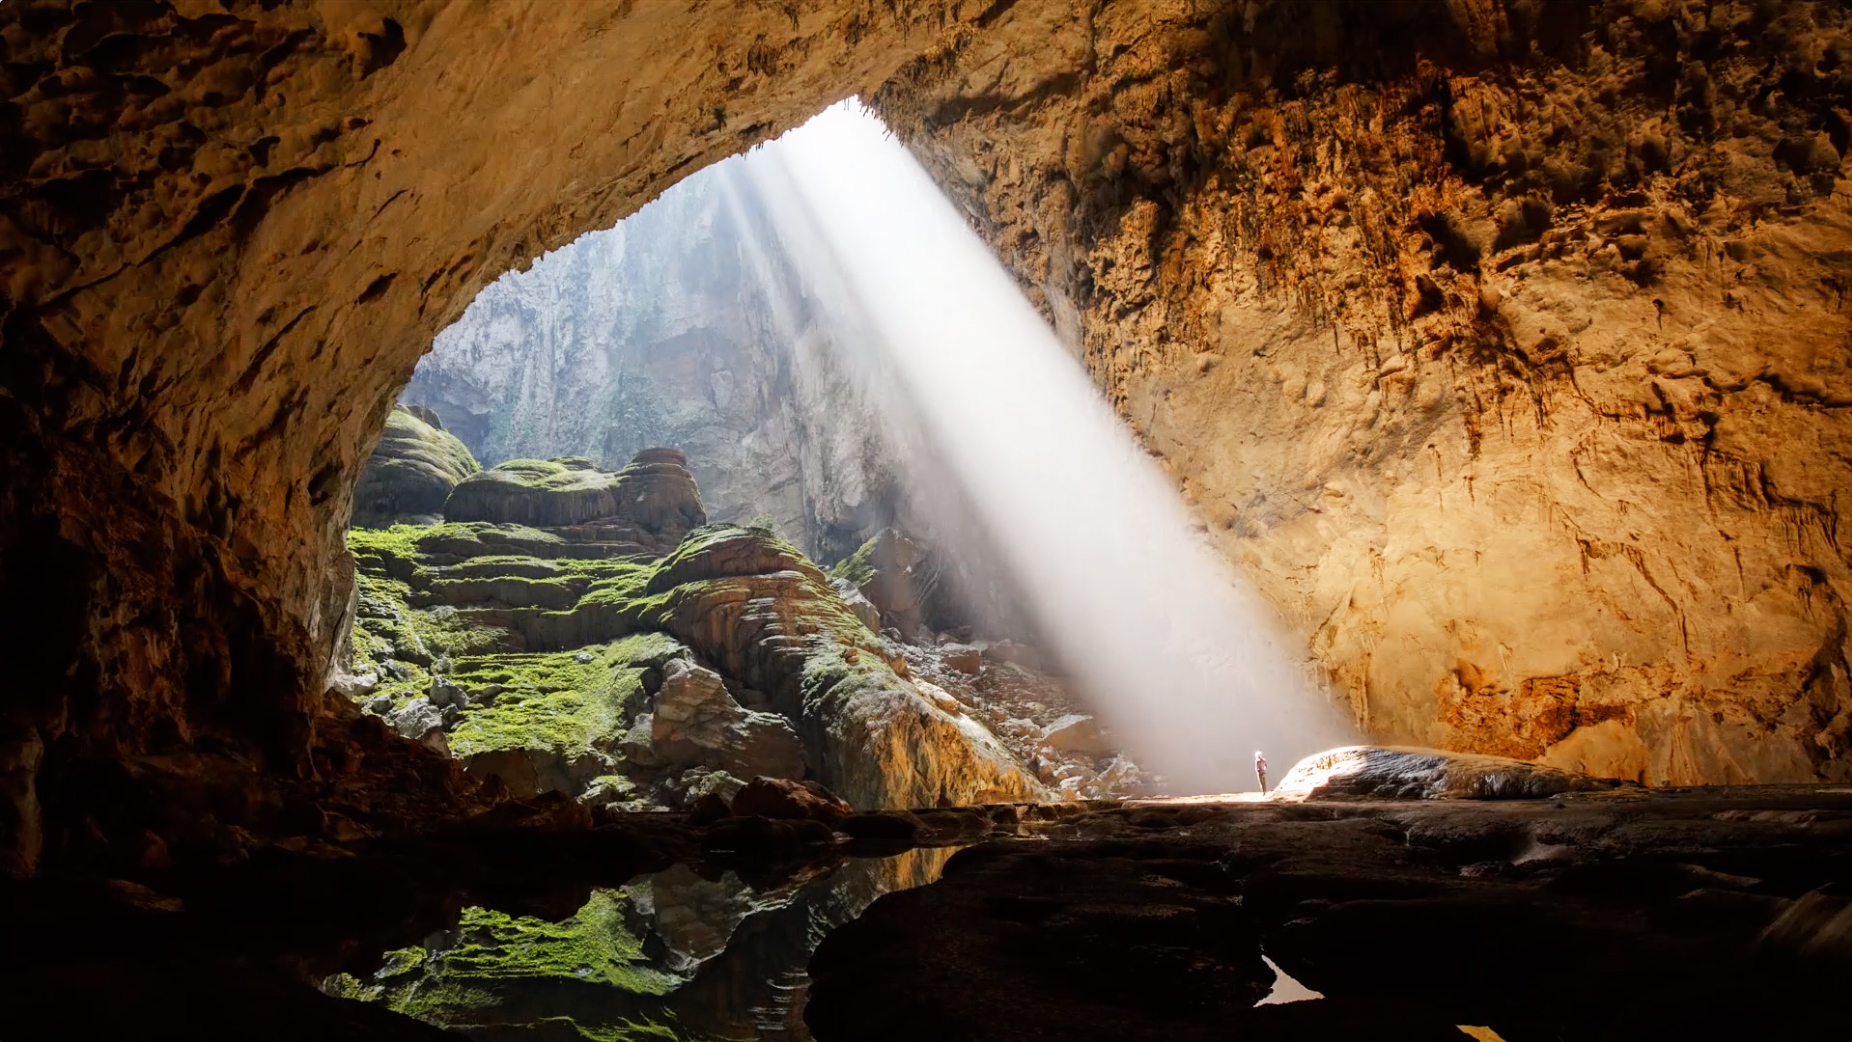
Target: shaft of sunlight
[{"x": 1180, "y": 658}]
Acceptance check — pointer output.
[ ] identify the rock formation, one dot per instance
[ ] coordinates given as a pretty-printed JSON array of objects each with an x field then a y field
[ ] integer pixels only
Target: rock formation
[
  {"x": 1502, "y": 343},
  {"x": 684, "y": 325},
  {"x": 411, "y": 472},
  {"x": 228, "y": 235},
  {"x": 568, "y": 630}
]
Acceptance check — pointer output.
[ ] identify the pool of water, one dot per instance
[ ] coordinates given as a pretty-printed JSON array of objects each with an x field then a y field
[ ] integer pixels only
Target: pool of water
[{"x": 670, "y": 955}]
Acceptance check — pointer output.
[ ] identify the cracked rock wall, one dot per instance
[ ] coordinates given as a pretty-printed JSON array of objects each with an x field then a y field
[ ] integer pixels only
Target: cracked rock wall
[{"x": 1504, "y": 343}]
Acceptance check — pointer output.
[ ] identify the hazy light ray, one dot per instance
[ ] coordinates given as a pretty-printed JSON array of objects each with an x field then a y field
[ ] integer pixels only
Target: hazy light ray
[{"x": 1178, "y": 657}]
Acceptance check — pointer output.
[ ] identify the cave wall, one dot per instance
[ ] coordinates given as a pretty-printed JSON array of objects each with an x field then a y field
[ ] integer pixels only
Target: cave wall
[
  {"x": 227, "y": 232},
  {"x": 1504, "y": 343}
]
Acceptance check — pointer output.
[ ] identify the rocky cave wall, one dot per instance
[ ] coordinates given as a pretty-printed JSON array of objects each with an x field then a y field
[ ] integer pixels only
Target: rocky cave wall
[
  {"x": 228, "y": 232},
  {"x": 1505, "y": 344},
  {"x": 1591, "y": 255}
]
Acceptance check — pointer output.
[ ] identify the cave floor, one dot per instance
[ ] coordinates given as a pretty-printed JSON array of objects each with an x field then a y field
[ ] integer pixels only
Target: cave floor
[{"x": 1690, "y": 914}]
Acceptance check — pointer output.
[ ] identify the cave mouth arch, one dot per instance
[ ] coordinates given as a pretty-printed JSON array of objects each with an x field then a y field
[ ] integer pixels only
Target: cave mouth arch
[{"x": 228, "y": 235}]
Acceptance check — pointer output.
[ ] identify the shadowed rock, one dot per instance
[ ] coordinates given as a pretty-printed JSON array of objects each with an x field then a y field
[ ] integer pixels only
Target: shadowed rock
[
  {"x": 412, "y": 471},
  {"x": 1428, "y": 774}
]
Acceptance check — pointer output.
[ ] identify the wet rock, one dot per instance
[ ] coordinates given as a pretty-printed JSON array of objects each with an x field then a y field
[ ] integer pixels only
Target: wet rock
[
  {"x": 708, "y": 808},
  {"x": 784, "y": 799},
  {"x": 1428, "y": 774},
  {"x": 1149, "y": 921}
]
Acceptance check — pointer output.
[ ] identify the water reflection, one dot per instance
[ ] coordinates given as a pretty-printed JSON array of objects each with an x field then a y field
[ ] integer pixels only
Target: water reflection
[{"x": 671, "y": 955}]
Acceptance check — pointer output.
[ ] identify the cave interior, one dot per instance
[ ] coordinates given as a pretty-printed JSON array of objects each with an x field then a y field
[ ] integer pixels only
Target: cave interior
[{"x": 1502, "y": 346}]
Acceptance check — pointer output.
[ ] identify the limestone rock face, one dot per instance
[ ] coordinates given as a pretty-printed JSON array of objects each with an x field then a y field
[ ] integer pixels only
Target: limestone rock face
[
  {"x": 655, "y": 333},
  {"x": 695, "y": 722},
  {"x": 1512, "y": 366},
  {"x": 1502, "y": 348},
  {"x": 217, "y": 281},
  {"x": 411, "y": 471}
]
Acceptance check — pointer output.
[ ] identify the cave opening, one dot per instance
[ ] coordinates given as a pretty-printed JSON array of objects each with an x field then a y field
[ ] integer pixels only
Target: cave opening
[{"x": 1501, "y": 345}]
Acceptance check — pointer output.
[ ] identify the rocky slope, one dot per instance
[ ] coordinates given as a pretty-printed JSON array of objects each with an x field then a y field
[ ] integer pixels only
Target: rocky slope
[
  {"x": 1502, "y": 343},
  {"x": 567, "y": 629}
]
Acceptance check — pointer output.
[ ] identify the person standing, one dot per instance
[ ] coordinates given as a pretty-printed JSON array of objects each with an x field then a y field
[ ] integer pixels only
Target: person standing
[{"x": 1260, "y": 770}]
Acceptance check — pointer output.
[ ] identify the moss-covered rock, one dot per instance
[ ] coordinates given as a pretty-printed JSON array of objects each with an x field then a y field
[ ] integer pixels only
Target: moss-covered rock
[
  {"x": 655, "y": 492},
  {"x": 587, "y": 976},
  {"x": 546, "y": 650},
  {"x": 412, "y": 471},
  {"x": 554, "y": 721}
]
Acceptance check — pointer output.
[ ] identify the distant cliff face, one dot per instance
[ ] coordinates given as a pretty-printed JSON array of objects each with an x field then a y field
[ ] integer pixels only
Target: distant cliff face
[
  {"x": 681, "y": 326},
  {"x": 1504, "y": 344}
]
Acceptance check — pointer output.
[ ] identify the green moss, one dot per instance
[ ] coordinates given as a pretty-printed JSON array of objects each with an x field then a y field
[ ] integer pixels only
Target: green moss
[
  {"x": 594, "y": 945},
  {"x": 347, "y": 986},
  {"x": 856, "y": 567},
  {"x": 438, "y": 1001},
  {"x": 553, "y": 701},
  {"x": 570, "y": 472}
]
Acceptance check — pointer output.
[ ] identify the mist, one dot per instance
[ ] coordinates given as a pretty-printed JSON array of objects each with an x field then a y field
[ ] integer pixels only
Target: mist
[{"x": 1173, "y": 650}]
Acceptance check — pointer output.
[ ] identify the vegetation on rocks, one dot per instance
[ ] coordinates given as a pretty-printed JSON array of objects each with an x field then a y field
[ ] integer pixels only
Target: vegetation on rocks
[
  {"x": 559, "y": 701},
  {"x": 492, "y": 966},
  {"x": 412, "y": 470}
]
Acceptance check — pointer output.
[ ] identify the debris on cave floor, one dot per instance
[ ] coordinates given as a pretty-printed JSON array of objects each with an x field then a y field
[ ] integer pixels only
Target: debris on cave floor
[{"x": 1035, "y": 715}]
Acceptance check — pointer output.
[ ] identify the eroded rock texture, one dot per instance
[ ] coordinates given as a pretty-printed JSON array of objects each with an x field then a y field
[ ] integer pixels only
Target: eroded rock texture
[
  {"x": 1503, "y": 342},
  {"x": 228, "y": 232},
  {"x": 412, "y": 470}
]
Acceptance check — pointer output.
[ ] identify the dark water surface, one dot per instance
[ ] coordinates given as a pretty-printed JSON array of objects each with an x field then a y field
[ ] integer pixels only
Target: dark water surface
[{"x": 670, "y": 955}]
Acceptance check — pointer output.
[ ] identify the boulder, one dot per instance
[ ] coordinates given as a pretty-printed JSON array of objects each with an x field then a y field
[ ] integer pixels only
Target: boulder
[
  {"x": 352, "y": 685},
  {"x": 412, "y": 470},
  {"x": 1078, "y": 733},
  {"x": 657, "y": 491},
  {"x": 696, "y": 723},
  {"x": 962, "y": 657},
  {"x": 1015, "y": 653},
  {"x": 863, "y": 608},
  {"x": 416, "y": 718},
  {"x": 1391, "y": 772},
  {"x": 445, "y": 694},
  {"x": 785, "y": 799}
]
